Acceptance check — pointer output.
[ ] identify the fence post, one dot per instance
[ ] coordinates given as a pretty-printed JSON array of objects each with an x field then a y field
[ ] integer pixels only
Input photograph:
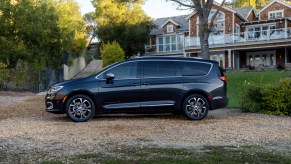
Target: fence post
[{"x": 38, "y": 80}]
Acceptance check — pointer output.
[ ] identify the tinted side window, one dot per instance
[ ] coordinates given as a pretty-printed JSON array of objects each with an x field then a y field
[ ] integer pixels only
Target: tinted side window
[
  {"x": 195, "y": 68},
  {"x": 125, "y": 71},
  {"x": 159, "y": 68}
]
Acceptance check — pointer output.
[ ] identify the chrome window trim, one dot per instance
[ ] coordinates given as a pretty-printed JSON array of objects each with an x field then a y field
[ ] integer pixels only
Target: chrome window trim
[
  {"x": 156, "y": 105},
  {"x": 211, "y": 65}
]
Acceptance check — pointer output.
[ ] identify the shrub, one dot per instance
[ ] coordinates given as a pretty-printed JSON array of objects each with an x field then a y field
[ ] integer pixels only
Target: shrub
[
  {"x": 4, "y": 73},
  {"x": 280, "y": 67},
  {"x": 270, "y": 99},
  {"x": 111, "y": 53},
  {"x": 250, "y": 94}
]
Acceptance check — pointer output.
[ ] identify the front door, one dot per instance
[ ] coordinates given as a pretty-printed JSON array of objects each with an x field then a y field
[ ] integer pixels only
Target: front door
[{"x": 121, "y": 93}]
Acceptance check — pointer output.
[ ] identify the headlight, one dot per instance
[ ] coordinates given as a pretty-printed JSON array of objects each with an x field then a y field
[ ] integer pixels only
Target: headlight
[{"x": 54, "y": 89}]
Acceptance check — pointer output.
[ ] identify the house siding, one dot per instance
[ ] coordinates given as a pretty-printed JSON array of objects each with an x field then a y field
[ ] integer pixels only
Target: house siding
[
  {"x": 165, "y": 28},
  {"x": 193, "y": 26},
  {"x": 238, "y": 20},
  {"x": 274, "y": 7},
  {"x": 228, "y": 28},
  {"x": 252, "y": 16}
]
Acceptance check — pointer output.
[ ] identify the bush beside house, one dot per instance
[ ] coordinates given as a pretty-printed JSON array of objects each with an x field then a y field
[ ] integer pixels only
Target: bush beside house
[
  {"x": 111, "y": 53},
  {"x": 269, "y": 99}
]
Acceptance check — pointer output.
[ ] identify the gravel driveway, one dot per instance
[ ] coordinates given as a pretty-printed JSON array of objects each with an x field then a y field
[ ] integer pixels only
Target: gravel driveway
[{"x": 26, "y": 128}]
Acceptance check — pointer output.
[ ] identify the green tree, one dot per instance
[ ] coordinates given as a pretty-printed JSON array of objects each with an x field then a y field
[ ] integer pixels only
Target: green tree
[
  {"x": 71, "y": 24},
  {"x": 111, "y": 53},
  {"x": 28, "y": 32},
  {"x": 244, "y": 3},
  {"x": 123, "y": 21},
  {"x": 40, "y": 31},
  {"x": 91, "y": 25}
]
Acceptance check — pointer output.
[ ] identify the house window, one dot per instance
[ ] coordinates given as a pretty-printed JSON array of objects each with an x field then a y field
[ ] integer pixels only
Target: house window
[
  {"x": 265, "y": 58},
  {"x": 170, "y": 28},
  {"x": 219, "y": 16},
  {"x": 219, "y": 58},
  {"x": 170, "y": 43},
  {"x": 276, "y": 14}
]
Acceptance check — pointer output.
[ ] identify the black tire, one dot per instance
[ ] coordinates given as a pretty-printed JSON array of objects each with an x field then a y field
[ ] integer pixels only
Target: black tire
[
  {"x": 195, "y": 107},
  {"x": 80, "y": 108}
]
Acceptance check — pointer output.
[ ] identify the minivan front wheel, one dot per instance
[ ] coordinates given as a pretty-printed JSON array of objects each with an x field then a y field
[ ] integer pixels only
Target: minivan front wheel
[
  {"x": 80, "y": 108},
  {"x": 195, "y": 107}
]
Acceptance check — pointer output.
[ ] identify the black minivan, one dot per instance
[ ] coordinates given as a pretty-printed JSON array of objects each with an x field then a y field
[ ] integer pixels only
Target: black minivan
[{"x": 143, "y": 85}]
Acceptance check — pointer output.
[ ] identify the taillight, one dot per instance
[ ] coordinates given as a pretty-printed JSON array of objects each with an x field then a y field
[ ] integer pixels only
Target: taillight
[{"x": 223, "y": 78}]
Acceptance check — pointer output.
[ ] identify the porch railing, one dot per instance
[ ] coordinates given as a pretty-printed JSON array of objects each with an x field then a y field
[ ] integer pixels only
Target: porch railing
[
  {"x": 235, "y": 38},
  {"x": 247, "y": 36}
]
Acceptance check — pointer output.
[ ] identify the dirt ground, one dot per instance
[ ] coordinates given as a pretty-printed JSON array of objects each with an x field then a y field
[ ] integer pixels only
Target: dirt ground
[{"x": 26, "y": 128}]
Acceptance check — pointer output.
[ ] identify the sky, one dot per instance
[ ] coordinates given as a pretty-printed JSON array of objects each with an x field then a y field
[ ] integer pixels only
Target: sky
[{"x": 153, "y": 8}]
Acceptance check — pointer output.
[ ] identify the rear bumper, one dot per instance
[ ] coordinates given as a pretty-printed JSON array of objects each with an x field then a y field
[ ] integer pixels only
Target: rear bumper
[{"x": 219, "y": 102}]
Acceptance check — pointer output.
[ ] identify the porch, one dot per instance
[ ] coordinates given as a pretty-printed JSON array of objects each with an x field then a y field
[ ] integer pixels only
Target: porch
[{"x": 250, "y": 36}]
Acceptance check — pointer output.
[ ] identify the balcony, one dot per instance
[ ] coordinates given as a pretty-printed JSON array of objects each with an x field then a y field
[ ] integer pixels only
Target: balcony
[
  {"x": 236, "y": 39},
  {"x": 164, "y": 49},
  {"x": 243, "y": 37}
]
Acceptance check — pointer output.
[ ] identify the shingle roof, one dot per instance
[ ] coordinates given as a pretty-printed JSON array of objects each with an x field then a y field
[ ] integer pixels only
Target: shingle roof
[
  {"x": 181, "y": 20},
  {"x": 244, "y": 11}
]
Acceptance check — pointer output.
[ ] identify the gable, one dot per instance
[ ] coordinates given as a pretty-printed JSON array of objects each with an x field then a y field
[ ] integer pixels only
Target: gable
[
  {"x": 161, "y": 24},
  {"x": 227, "y": 11},
  {"x": 272, "y": 7},
  {"x": 272, "y": 4},
  {"x": 170, "y": 21}
]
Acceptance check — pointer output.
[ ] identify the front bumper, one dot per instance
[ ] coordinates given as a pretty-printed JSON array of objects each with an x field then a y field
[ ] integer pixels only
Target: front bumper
[{"x": 55, "y": 102}]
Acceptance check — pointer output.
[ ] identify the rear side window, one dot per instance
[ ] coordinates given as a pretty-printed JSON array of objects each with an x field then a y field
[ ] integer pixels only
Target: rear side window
[
  {"x": 195, "y": 68},
  {"x": 159, "y": 69}
]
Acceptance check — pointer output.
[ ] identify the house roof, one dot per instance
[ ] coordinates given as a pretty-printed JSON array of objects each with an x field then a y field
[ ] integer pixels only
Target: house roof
[
  {"x": 170, "y": 20},
  {"x": 179, "y": 20},
  {"x": 244, "y": 11},
  {"x": 278, "y": 1},
  {"x": 240, "y": 13}
]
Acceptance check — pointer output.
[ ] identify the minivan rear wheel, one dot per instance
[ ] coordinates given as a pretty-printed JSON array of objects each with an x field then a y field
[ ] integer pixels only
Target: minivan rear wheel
[
  {"x": 195, "y": 107},
  {"x": 80, "y": 108}
]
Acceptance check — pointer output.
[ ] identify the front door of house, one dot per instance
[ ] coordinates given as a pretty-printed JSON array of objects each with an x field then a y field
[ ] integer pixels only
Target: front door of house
[{"x": 261, "y": 58}]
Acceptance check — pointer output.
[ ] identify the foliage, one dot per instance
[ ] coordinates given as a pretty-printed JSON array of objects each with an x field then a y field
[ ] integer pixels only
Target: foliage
[
  {"x": 111, "y": 53},
  {"x": 71, "y": 24},
  {"x": 91, "y": 25},
  {"x": 244, "y": 3},
  {"x": 124, "y": 22},
  {"x": 39, "y": 31},
  {"x": 270, "y": 99},
  {"x": 206, "y": 20},
  {"x": 257, "y": 4},
  {"x": 236, "y": 80},
  {"x": 4, "y": 73},
  {"x": 280, "y": 67}
]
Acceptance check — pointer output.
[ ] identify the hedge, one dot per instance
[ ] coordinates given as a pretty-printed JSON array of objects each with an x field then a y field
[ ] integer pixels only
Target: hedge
[{"x": 270, "y": 99}]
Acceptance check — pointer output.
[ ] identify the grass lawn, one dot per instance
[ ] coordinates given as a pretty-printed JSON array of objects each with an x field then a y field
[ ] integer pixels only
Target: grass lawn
[
  {"x": 235, "y": 80},
  {"x": 209, "y": 154}
]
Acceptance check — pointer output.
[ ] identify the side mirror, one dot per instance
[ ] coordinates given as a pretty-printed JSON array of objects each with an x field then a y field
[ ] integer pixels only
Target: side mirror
[{"x": 110, "y": 76}]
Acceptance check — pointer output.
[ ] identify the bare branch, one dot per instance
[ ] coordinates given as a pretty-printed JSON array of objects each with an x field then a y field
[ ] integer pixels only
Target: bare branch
[
  {"x": 183, "y": 4},
  {"x": 215, "y": 14}
]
